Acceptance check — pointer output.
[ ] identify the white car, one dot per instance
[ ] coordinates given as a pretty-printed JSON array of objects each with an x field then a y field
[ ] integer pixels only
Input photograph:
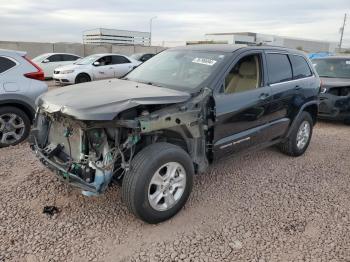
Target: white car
[
  {"x": 50, "y": 61},
  {"x": 95, "y": 67}
]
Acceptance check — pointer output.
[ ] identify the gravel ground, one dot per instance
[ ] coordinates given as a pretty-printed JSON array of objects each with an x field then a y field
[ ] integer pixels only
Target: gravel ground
[{"x": 263, "y": 206}]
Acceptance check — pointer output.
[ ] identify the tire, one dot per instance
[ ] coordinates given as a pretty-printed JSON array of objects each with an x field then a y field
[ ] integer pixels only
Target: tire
[
  {"x": 138, "y": 188},
  {"x": 291, "y": 146},
  {"x": 82, "y": 78},
  {"x": 14, "y": 126},
  {"x": 347, "y": 121}
]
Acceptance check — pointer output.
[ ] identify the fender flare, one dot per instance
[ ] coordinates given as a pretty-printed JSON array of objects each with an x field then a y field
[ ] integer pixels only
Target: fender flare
[
  {"x": 19, "y": 103},
  {"x": 301, "y": 110}
]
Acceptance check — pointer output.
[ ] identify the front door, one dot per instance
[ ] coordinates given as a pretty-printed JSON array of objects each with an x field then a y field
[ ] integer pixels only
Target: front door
[
  {"x": 242, "y": 106},
  {"x": 104, "y": 69}
]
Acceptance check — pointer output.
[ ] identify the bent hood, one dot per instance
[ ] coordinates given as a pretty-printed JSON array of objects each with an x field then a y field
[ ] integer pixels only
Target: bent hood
[{"x": 103, "y": 100}]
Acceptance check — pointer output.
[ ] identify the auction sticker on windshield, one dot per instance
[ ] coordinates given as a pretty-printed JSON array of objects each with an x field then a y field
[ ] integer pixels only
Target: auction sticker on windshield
[{"x": 204, "y": 61}]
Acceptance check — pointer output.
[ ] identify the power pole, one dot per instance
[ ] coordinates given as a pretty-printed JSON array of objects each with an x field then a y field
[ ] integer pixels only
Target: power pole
[
  {"x": 150, "y": 30},
  {"x": 342, "y": 33}
]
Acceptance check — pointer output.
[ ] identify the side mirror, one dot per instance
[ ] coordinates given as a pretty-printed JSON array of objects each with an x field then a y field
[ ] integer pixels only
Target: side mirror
[
  {"x": 96, "y": 63},
  {"x": 45, "y": 61}
]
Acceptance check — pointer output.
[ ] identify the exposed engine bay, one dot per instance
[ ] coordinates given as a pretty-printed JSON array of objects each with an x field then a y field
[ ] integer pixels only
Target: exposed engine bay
[{"x": 88, "y": 154}]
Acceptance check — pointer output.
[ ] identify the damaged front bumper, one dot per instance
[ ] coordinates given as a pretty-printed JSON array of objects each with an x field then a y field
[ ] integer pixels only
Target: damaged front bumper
[
  {"x": 334, "y": 107},
  {"x": 63, "y": 173}
]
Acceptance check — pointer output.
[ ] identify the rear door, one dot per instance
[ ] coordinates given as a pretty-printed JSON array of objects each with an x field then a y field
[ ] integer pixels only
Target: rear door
[
  {"x": 286, "y": 90},
  {"x": 121, "y": 66},
  {"x": 242, "y": 105}
]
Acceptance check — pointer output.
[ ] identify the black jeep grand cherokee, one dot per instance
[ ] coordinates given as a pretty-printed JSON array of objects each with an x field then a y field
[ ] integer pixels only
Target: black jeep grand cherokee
[{"x": 172, "y": 116}]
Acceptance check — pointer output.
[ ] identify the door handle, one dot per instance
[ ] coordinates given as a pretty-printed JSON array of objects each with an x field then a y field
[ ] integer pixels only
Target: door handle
[
  {"x": 111, "y": 68},
  {"x": 263, "y": 96},
  {"x": 298, "y": 87}
]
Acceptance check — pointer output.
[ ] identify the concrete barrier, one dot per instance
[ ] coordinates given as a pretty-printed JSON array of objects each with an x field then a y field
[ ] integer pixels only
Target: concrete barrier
[
  {"x": 73, "y": 48},
  {"x": 124, "y": 50},
  {"x": 34, "y": 49}
]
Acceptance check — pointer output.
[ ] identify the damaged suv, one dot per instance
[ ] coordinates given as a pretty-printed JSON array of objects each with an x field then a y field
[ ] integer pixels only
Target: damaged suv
[
  {"x": 171, "y": 117},
  {"x": 334, "y": 72}
]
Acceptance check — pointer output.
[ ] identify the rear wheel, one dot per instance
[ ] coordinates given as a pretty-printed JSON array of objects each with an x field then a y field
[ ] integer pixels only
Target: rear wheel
[
  {"x": 82, "y": 78},
  {"x": 159, "y": 182},
  {"x": 300, "y": 136},
  {"x": 14, "y": 126}
]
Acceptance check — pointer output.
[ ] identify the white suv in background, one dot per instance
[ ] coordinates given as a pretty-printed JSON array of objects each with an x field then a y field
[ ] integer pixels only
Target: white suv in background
[
  {"x": 95, "y": 67},
  {"x": 50, "y": 61},
  {"x": 20, "y": 85}
]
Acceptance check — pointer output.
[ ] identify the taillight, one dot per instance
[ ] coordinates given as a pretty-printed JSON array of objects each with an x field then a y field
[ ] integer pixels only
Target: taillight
[{"x": 39, "y": 75}]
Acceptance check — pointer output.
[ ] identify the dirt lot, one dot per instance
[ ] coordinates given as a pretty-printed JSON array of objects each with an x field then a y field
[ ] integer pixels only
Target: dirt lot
[{"x": 263, "y": 206}]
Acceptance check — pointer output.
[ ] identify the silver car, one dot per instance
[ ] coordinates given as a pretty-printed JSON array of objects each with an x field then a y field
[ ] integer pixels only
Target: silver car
[{"x": 20, "y": 84}]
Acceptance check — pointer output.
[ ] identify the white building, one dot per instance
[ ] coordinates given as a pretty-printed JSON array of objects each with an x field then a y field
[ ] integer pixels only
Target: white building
[
  {"x": 101, "y": 36},
  {"x": 254, "y": 38}
]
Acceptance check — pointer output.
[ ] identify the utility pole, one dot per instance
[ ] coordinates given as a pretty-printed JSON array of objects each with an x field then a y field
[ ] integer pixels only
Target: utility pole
[
  {"x": 342, "y": 33},
  {"x": 150, "y": 30}
]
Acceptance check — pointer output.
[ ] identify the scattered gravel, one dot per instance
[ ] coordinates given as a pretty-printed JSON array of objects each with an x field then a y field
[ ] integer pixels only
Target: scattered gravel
[{"x": 263, "y": 206}]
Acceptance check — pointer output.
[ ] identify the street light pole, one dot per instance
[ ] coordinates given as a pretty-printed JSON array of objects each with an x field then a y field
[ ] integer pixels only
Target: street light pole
[{"x": 150, "y": 30}]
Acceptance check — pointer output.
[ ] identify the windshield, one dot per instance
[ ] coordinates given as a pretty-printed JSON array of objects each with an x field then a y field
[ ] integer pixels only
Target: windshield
[
  {"x": 39, "y": 58},
  {"x": 178, "y": 69},
  {"x": 88, "y": 60},
  {"x": 332, "y": 67}
]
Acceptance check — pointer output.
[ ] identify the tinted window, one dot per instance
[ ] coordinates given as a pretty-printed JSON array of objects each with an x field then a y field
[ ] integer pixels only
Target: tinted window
[
  {"x": 300, "y": 67},
  {"x": 55, "y": 58},
  {"x": 146, "y": 57},
  {"x": 279, "y": 68},
  {"x": 106, "y": 60},
  {"x": 6, "y": 64},
  {"x": 244, "y": 76},
  {"x": 120, "y": 59},
  {"x": 69, "y": 57}
]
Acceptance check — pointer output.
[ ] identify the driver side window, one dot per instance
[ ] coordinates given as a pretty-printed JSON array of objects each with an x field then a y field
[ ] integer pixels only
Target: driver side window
[
  {"x": 245, "y": 75},
  {"x": 106, "y": 60}
]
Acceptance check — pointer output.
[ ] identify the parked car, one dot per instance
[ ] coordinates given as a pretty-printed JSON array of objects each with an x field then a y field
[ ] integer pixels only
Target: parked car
[
  {"x": 335, "y": 92},
  {"x": 174, "y": 115},
  {"x": 50, "y": 61},
  {"x": 95, "y": 67},
  {"x": 142, "y": 57},
  {"x": 20, "y": 85}
]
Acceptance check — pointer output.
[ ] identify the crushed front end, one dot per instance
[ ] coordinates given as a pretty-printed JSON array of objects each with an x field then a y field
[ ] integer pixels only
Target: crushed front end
[{"x": 83, "y": 154}]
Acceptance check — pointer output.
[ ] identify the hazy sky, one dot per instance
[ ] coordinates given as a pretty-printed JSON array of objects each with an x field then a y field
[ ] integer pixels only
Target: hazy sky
[{"x": 177, "y": 20}]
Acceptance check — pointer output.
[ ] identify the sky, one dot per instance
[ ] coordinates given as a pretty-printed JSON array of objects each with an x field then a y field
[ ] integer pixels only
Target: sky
[{"x": 177, "y": 20}]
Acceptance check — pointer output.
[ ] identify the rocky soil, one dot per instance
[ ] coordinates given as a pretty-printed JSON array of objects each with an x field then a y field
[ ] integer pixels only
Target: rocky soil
[{"x": 263, "y": 206}]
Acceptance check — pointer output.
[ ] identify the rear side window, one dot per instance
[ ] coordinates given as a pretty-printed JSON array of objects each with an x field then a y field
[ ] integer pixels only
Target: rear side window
[
  {"x": 6, "y": 64},
  {"x": 69, "y": 57},
  {"x": 279, "y": 68},
  {"x": 55, "y": 58},
  {"x": 120, "y": 59},
  {"x": 301, "y": 68}
]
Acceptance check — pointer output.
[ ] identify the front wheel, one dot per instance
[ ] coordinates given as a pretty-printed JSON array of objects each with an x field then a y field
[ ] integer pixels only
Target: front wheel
[
  {"x": 159, "y": 182},
  {"x": 82, "y": 78},
  {"x": 300, "y": 136}
]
